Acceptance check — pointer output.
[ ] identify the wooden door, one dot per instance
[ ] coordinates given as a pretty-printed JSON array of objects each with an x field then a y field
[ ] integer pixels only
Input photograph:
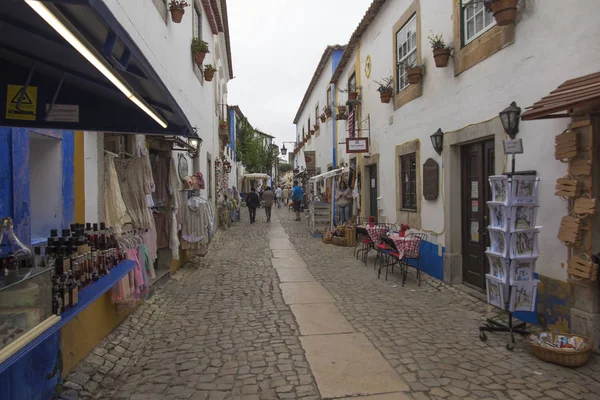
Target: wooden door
[
  {"x": 373, "y": 190},
  {"x": 477, "y": 165}
]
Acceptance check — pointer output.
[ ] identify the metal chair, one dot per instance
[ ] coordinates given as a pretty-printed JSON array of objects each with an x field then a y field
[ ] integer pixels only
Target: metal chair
[
  {"x": 381, "y": 246},
  {"x": 365, "y": 242},
  {"x": 415, "y": 242},
  {"x": 392, "y": 252}
]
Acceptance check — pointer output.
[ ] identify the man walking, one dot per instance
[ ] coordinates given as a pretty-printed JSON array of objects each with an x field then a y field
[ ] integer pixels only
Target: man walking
[
  {"x": 268, "y": 199},
  {"x": 278, "y": 195},
  {"x": 297, "y": 194},
  {"x": 253, "y": 202}
]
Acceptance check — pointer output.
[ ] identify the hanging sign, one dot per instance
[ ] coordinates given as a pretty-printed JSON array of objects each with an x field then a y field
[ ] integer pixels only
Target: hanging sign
[
  {"x": 513, "y": 146},
  {"x": 357, "y": 145},
  {"x": 431, "y": 173},
  {"x": 20, "y": 103},
  {"x": 63, "y": 113}
]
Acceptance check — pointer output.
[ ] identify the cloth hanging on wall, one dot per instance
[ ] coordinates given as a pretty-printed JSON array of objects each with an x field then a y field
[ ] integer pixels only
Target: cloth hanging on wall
[
  {"x": 132, "y": 181},
  {"x": 160, "y": 172},
  {"x": 115, "y": 210},
  {"x": 149, "y": 186},
  {"x": 174, "y": 200}
]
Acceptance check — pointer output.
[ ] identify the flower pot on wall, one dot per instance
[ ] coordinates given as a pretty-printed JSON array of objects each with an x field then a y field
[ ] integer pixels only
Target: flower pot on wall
[
  {"x": 199, "y": 58},
  {"x": 208, "y": 75},
  {"x": 386, "y": 96},
  {"x": 341, "y": 109},
  {"x": 328, "y": 112},
  {"x": 505, "y": 11},
  {"x": 177, "y": 14},
  {"x": 441, "y": 57},
  {"x": 312, "y": 132},
  {"x": 352, "y": 95},
  {"x": 414, "y": 75},
  {"x": 323, "y": 117}
]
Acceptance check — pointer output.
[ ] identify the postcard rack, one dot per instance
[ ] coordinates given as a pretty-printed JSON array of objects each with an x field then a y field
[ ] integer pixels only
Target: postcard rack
[
  {"x": 513, "y": 250},
  {"x": 576, "y": 147}
]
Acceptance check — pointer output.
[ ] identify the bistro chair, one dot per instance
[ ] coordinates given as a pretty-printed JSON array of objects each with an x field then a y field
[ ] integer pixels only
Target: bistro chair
[
  {"x": 365, "y": 241},
  {"x": 381, "y": 246},
  {"x": 412, "y": 252},
  {"x": 391, "y": 252}
]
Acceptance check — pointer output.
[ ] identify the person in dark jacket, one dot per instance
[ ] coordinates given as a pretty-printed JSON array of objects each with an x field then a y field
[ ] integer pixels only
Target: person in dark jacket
[{"x": 253, "y": 202}]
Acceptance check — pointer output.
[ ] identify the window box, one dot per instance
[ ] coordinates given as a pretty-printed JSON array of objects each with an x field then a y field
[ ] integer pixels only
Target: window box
[{"x": 414, "y": 75}]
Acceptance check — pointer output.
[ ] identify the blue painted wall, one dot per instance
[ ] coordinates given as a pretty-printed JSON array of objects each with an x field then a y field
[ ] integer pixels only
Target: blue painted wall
[{"x": 431, "y": 263}]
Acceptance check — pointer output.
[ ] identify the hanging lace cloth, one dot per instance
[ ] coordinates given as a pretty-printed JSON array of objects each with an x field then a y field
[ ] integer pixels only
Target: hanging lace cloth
[
  {"x": 160, "y": 173},
  {"x": 174, "y": 201},
  {"x": 149, "y": 186},
  {"x": 132, "y": 182},
  {"x": 115, "y": 210},
  {"x": 194, "y": 221}
]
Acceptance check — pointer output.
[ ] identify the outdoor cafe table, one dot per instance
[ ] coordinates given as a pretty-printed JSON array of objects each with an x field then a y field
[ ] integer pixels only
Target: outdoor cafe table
[{"x": 402, "y": 244}]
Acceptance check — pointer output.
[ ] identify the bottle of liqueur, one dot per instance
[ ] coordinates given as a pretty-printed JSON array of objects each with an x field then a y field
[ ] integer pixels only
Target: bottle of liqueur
[
  {"x": 73, "y": 291},
  {"x": 63, "y": 292},
  {"x": 95, "y": 275},
  {"x": 57, "y": 304}
]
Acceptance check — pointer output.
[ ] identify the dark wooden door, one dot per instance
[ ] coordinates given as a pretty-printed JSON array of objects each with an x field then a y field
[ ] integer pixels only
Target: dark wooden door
[
  {"x": 373, "y": 190},
  {"x": 477, "y": 165}
]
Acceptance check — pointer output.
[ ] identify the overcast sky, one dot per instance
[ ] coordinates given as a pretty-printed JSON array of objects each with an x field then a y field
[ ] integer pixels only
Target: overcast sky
[{"x": 275, "y": 46}]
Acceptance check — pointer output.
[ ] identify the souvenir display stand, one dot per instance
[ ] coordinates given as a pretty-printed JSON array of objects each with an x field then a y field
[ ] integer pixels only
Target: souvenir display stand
[
  {"x": 513, "y": 250},
  {"x": 320, "y": 217}
]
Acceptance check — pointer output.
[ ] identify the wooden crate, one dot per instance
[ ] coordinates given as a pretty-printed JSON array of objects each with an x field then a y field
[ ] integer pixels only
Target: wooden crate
[
  {"x": 566, "y": 145},
  {"x": 582, "y": 267},
  {"x": 566, "y": 187},
  {"x": 580, "y": 167},
  {"x": 570, "y": 232}
]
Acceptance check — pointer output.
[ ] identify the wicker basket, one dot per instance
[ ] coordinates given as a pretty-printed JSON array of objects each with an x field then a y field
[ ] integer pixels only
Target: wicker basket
[
  {"x": 564, "y": 357},
  {"x": 351, "y": 236},
  {"x": 340, "y": 241},
  {"x": 326, "y": 240}
]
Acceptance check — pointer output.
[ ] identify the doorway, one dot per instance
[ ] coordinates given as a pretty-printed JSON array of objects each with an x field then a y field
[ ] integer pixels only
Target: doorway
[
  {"x": 477, "y": 161},
  {"x": 373, "y": 190}
]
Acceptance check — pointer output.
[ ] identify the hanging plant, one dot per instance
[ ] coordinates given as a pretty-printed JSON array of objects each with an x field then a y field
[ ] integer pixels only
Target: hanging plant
[
  {"x": 222, "y": 124},
  {"x": 441, "y": 52},
  {"x": 323, "y": 117},
  {"x": 414, "y": 73},
  {"x": 386, "y": 89},
  {"x": 177, "y": 9},
  {"x": 505, "y": 11},
  {"x": 316, "y": 127},
  {"x": 352, "y": 91},
  {"x": 327, "y": 111},
  {"x": 199, "y": 50},
  {"x": 312, "y": 132},
  {"x": 209, "y": 72}
]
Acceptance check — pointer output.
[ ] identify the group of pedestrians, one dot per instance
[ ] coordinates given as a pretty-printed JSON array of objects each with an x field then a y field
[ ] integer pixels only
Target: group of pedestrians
[{"x": 253, "y": 200}]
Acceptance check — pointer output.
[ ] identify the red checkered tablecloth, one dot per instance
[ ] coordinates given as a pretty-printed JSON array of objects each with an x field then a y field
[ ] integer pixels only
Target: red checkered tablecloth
[
  {"x": 376, "y": 232},
  {"x": 402, "y": 244}
]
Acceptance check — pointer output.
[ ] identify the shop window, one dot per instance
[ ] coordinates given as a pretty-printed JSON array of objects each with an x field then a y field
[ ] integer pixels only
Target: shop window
[
  {"x": 45, "y": 169},
  {"x": 476, "y": 20},
  {"x": 408, "y": 174},
  {"x": 406, "y": 51}
]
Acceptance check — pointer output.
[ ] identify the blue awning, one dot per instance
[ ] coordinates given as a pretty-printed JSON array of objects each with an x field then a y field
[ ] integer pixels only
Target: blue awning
[{"x": 34, "y": 55}]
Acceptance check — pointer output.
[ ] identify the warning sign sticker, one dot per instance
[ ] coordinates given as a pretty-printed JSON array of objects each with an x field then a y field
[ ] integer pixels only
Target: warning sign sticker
[{"x": 20, "y": 103}]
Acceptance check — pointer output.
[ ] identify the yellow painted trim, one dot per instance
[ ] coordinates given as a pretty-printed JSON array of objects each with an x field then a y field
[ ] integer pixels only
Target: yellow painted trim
[
  {"x": 79, "y": 177},
  {"x": 359, "y": 119}
]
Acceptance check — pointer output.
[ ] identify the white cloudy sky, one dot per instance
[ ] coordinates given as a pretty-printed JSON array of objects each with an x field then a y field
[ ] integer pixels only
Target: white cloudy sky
[{"x": 276, "y": 45}]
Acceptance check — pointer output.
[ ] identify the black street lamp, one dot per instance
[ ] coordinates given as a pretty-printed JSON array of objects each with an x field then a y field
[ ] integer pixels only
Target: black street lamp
[
  {"x": 510, "y": 119},
  {"x": 437, "y": 140},
  {"x": 283, "y": 150}
]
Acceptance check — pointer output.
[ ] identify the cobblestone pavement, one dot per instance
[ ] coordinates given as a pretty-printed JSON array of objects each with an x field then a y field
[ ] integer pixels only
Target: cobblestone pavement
[{"x": 220, "y": 330}]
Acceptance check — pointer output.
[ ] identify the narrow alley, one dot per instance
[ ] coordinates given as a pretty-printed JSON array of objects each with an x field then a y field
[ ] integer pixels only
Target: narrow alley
[{"x": 272, "y": 313}]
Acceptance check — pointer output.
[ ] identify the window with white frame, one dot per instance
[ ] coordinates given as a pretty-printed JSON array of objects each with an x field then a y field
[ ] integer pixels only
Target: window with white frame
[
  {"x": 476, "y": 20},
  {"x": 406, "y": 52},
  {"x": 329, "y": 96},
  {"x": 197, "y": 22}
]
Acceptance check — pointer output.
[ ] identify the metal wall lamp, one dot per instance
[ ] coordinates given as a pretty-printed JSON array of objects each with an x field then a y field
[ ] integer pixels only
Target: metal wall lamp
[{"x": 437, "y": 140}]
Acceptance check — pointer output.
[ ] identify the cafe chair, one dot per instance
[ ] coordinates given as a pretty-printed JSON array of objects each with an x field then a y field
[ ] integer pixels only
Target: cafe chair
[
  {"x": 412, "y": 252},
  {"x": 392, "y": 256},
  {"x": 365, "y": 241}
]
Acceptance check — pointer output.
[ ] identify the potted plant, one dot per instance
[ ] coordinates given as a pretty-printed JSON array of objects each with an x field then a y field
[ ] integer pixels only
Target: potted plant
[
  {"x": 209, "y": 72},
  {"x": 414, "y": 73},
  {"x": 316, "y": 127},
  {"x": 386, "y": 89},
  {"x": 352, "y": 91},
  {"x": 323, "y": 117},
  {"x": 341, "y": 112},
  {"x": 505, "y": 11},
  {"x": 199, "y": 50},
  {"x": 312, "y": 132},
  {"x": 441, "y": 51},
  {"x": 327, "y": 111},
  {"x": 177, "y": 8},
  {"x": 222, "y": 124}
]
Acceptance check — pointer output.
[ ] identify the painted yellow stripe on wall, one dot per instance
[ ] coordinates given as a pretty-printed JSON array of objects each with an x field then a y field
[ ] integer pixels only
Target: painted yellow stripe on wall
[{"x": 79, "y": 177}]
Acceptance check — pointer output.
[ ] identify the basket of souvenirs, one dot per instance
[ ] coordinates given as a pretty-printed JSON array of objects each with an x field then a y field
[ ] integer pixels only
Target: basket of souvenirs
[
  {"x": 339, "y": 236},
  {"x": 327, "y": 236},
  {"x": 564, "y": 349}
]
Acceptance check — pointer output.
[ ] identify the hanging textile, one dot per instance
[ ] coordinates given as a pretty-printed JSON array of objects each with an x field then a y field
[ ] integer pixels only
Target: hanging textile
[
  {"x": 149, "y": 185},
  {"x": 132, "y": 181},
  {"x": 115, "y": 211},
  {"x": 174, "y": 201},
  {"x": 160, "y": 172},
  {"x": 151, "y": 244}
]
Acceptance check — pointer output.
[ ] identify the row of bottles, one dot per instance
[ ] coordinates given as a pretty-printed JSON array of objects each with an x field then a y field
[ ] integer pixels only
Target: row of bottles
[{"x": 79, "y": 257}]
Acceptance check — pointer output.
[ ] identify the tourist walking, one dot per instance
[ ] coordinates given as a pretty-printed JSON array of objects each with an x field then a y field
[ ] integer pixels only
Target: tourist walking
[
  {"x": 268, "y": 199},
  {"x": 343, "y": 198},
  {"x": 253, "y": 202},
  {"x": 278, "y": 195},
  {"x": 285, "y": 195},
  {"x": 297, "y": 194}
]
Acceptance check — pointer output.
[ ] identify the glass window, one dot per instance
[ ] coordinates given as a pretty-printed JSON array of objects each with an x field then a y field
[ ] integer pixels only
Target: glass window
[
  {"x": 406, "y": 52},
  {"x": 317, "y": 112},
  {"x": 476, "y": 20},
  {"x": 197, "y": 23},
  {"x": 329, "y": 96},
  {"x": 408, "y": 173}
]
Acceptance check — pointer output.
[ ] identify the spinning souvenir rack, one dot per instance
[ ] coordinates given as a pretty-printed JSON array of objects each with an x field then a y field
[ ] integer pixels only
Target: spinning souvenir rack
[{"x": 513, "y": 249}]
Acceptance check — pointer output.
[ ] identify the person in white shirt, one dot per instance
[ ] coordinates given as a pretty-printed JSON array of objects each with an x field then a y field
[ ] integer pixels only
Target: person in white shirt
[{"x": 278, "y": 195}]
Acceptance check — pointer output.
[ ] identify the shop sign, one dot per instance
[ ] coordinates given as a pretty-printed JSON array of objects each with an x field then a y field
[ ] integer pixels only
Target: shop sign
[
  {"x": 62, "y": 113},
  {"x": 357, "y": 145},
  {"x": 26, "y": 109},
  {"x": 513, "y": 146},
  {"x": 431, "y": 182}
]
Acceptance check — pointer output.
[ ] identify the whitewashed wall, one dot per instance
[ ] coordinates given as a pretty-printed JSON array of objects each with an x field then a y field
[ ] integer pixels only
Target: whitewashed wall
[
  {"x": 93, "y": 165},
  {"x": 555, "y": 41}
]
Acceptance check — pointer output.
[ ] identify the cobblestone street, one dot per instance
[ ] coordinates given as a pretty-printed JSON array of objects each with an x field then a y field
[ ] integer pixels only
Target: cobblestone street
[{"x": 225, "y": 327}]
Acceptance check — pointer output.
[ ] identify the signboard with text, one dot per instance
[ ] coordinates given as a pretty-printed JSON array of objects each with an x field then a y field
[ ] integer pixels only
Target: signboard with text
[{"x": 357, "y": 145}]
